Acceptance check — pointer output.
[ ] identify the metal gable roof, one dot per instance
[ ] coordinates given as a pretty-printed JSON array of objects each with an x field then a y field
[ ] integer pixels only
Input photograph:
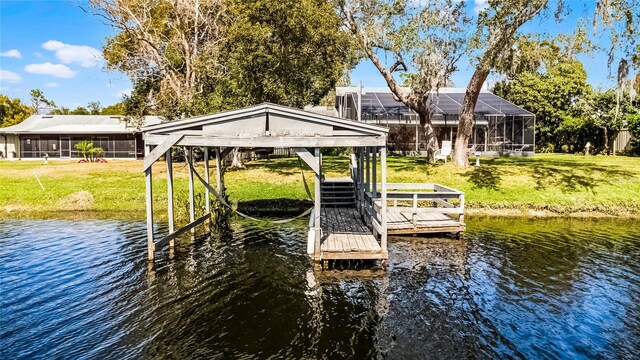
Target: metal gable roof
[
  {"x": 74, "y": 124},
  {"x": 257, "y": 110}
]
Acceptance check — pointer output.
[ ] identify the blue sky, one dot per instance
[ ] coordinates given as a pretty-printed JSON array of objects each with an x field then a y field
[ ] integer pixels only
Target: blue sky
[{"x": 55, "y": 46}]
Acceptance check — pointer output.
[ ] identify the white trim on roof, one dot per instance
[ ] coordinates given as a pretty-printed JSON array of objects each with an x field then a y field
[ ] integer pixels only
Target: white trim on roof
[{"x": 260, "y": 109}]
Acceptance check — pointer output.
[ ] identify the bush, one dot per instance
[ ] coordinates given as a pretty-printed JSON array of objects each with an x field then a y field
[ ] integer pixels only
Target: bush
[
  {"x": 89, "y": 152},
  {"x": 548, "y": 148},
  {"x": 334, "y": 151},
  {"x": 633, "y": 123}
]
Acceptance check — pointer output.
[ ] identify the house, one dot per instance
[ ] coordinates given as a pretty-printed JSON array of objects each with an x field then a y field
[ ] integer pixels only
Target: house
[
  {"x": 500, "y": 127},
  {"x": 57, "y": 135}
]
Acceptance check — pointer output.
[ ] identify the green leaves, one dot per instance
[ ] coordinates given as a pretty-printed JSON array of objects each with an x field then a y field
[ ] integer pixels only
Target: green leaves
[
  {"x": 12, "y": 111},
  {"x": 192, "y": 57}
]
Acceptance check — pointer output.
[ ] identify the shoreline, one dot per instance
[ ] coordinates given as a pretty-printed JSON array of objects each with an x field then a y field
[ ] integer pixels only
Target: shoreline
[{"x": 483, "y": 212}]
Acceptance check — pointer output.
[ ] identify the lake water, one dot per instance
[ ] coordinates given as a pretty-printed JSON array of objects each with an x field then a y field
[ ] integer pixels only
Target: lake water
[{"x": 510, "y": 289}]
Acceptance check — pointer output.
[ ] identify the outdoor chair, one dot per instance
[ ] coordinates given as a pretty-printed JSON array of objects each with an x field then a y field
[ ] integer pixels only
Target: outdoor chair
[
  {"x": 520, "y": 150},
  {"x": 444, "y": 152}
]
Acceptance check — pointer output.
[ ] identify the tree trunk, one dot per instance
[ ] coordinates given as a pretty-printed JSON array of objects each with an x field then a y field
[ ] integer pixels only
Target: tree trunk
[
  {"x": 606, "y": 140},
  {"x": 430, "y": 136},
  {"x": 237, "y": 162},
  {"x": 465, "y": 122}
]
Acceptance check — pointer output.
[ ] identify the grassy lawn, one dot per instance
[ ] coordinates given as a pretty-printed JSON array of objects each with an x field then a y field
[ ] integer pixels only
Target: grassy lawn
[{"x": 549, "y": 184}]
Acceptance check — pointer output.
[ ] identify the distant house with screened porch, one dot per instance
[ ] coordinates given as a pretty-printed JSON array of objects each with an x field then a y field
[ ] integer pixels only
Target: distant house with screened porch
[
  {"x": 57, "y": 135},
  {"x": 500, "y": 127}
]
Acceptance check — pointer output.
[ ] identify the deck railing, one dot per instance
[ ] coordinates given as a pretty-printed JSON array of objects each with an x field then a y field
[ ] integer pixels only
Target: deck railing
[
  {"x": 423, "y": 198},
  {"x": 404, "y": 199}
]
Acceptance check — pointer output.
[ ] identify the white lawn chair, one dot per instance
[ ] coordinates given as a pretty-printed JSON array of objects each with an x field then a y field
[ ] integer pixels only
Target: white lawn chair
[{"x": 444, "y": 152}]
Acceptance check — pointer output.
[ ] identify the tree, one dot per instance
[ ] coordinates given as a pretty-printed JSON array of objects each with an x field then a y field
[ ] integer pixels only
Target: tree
[
  {"x": 606, "y": 111},
  {"x": 194, "y": 57},
  {"x": 497, "y": 32},
  {"x": 13, "y": 111},
  {"x": 94, "y": 107},
  {"x": 66, "y": 111},
  {"x": 288, "y": 52},
  {"x": 39, "y": 103},
  {"x": 550, "y": 96},
  {"x": 425, "y": 40},
  {"x": 115, "y": 109},
  {"x": 173, "y": 44}
]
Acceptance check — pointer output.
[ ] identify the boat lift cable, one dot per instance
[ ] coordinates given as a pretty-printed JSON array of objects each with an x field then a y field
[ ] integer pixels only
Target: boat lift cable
[{"x": 223, "y": 202}]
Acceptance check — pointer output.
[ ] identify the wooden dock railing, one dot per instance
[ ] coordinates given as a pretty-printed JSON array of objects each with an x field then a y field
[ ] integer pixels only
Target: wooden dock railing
[
  {"x": 422, "y": 208},
  {"x": 411, "y": 208}
]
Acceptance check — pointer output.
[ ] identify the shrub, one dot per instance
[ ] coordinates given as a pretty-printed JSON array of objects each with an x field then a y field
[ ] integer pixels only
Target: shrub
[{"x": 89, "y": 152}]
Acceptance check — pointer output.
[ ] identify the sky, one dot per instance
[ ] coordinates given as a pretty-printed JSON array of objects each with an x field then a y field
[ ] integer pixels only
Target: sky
[{"x": 56, "y": 47}]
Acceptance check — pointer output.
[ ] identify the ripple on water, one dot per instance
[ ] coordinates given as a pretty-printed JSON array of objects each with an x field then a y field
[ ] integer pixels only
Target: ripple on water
[{"x": 510, "y": 289}]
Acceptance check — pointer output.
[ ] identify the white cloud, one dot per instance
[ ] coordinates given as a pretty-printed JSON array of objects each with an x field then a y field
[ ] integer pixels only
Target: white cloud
[
  {"x": 37, "y": 54},
  {"x": 57, "y": 70},
  {"x": 52, "y": 84},
  {"x": 122, "y": 93},
  {"x": 9, "y": 77},
  {"x": 86, "y": 56},
  {"x": 13, "y": 53},
  {"x": 480, "y": 5}
]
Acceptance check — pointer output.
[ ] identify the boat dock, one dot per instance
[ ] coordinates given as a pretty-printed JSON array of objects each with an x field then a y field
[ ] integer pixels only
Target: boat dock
[{"x": 351, "y": 216}]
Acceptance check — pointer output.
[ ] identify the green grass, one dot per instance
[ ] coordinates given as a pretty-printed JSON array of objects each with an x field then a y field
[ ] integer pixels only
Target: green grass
[{"x": 549, "y": 184}]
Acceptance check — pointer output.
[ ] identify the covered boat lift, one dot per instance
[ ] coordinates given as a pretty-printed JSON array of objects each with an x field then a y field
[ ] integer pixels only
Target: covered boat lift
[{"x": 332, "y": 230}]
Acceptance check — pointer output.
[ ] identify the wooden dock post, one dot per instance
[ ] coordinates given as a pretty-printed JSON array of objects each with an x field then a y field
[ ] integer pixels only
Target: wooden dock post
[
  {"x": 149, "y": 198},
  {"x": 383, "y": 215},
  {"x": 368, "y": 169},
  {"x": 192, "y": 213},
  {"x": 374, "y": 173},
  {"x": 218, "y": 171},
  {"x": 207, "y": 199},
  {"x": 361, "y": 189},
  {"x": 367, "y": 208},
  {"x": 317, "y": 207},
  {"x": 170, "y": 215}
]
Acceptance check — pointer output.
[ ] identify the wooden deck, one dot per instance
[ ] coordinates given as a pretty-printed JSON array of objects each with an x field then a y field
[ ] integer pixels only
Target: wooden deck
[
  {"x": 346, "y": 237},
  {"x": 400, "y": 221}
]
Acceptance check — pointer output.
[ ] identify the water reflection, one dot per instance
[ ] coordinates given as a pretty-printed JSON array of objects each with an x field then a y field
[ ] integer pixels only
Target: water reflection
[{"x": 510, "y": 289}]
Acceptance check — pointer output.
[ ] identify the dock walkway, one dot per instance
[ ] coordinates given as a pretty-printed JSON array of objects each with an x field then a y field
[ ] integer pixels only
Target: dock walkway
[{"x": 345, "y": 236}]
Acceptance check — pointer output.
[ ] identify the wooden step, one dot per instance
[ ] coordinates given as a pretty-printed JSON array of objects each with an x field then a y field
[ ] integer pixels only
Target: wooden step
[
  {"x": 344, "y": 203},
  {"x": 338, "y": 186},
  {"x": 338, "y": 193},
  {"x": 334, "y": 198}
]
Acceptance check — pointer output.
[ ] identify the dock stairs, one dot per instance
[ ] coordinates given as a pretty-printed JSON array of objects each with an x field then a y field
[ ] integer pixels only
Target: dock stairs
[{"x": 338, "y": 192}]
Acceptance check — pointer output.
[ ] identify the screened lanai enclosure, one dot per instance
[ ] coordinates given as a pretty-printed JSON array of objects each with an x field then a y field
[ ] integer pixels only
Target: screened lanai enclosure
[{"x": 500, "y": 127}]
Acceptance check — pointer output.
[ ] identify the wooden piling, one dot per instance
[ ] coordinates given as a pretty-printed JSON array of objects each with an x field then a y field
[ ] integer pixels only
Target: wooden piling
[
  {"x": 206, "y": 178},
  {"x": 317, "y": 204},
  {"x": 383, "y": 200},
  {"x": 170, "y": 213},
  {"x": 192, "y": 210},
  {"x": 149, "y": 199}
]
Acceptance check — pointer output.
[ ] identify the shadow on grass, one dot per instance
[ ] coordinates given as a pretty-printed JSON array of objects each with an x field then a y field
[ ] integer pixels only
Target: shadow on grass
[
  {"x": 485, "y": 177},
  {"x": 292, "y": 166},
  {"x": 567, "y": 175},
  {"x": 409, "y": 163},
  {"x": 572, "y": 176}
]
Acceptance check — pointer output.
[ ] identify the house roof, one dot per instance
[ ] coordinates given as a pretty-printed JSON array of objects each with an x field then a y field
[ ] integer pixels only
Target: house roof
[
  {"x": 76, "y": 124},
  {"x": 379, "y": 101},
  {"x": 267, "y": 125}
]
